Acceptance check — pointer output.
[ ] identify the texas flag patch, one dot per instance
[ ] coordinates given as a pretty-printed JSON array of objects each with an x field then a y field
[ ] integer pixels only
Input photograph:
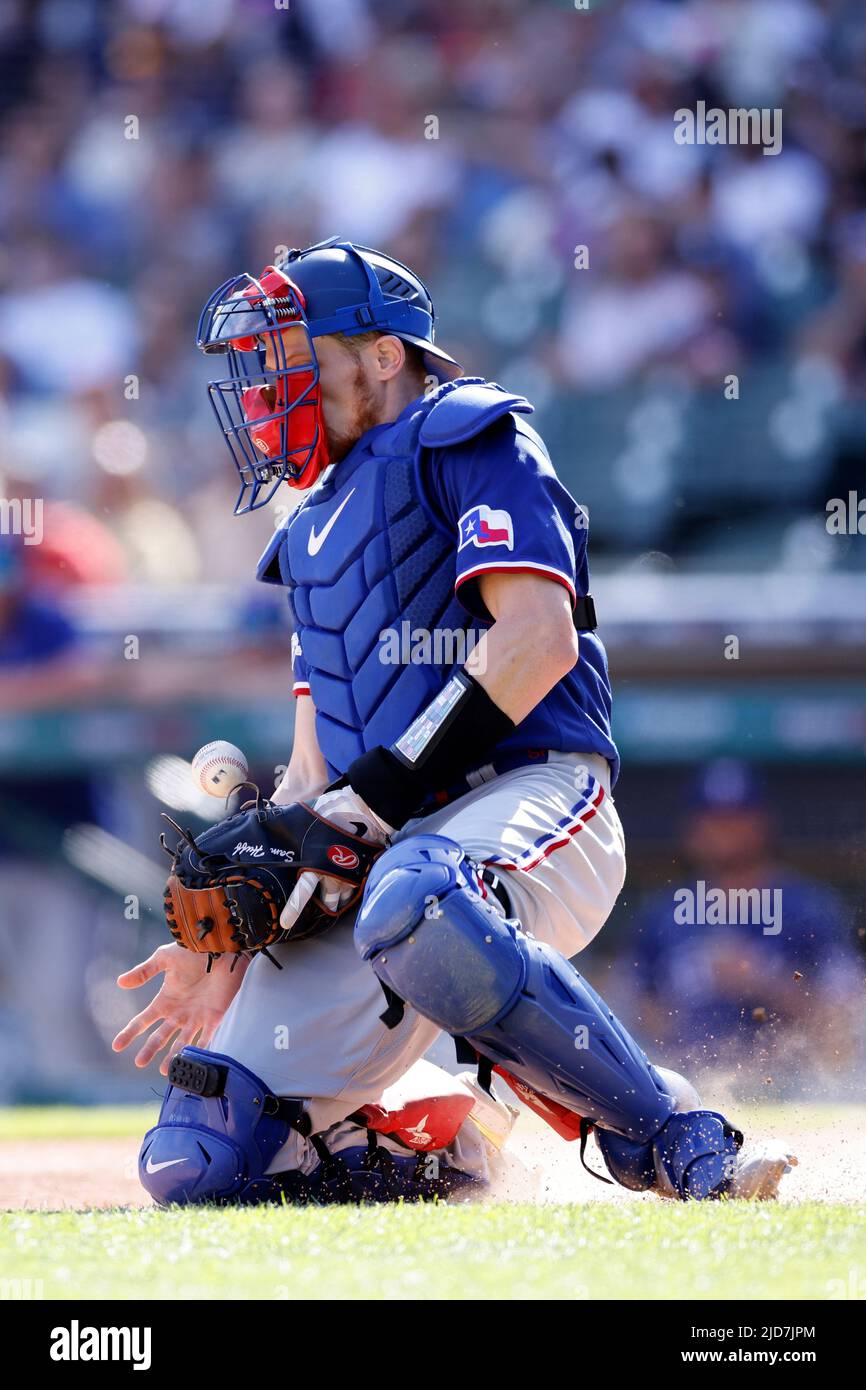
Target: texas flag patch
[{"x": 484, "y": 526}]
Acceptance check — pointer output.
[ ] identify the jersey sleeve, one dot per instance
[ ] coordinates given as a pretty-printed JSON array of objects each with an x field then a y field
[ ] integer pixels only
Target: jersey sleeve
[
  {"x": 300, "y": 673},
  {"x": 508, "y": 511}
]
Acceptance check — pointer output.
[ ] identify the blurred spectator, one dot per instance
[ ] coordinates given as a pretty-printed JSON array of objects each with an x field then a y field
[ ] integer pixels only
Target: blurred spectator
[
  {"x": 39, "y": 659},
  {"x": 148, "y": 150},
  {"x": 724, "y": 992},
  {"x": 642, "y": 310},
  {"x": 62, "y": 332},
  {"x": 46, "y": 913}
]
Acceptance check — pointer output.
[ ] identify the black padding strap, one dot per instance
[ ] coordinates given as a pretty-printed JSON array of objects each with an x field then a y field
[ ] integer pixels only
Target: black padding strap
[
  {"x": 197, "y": 1078},
  {"x": 585, "y": 1131},
  {"x": 209, "y": 1079},
  {"x": 497, "y": 887},
  {"x": 465, "y": 1052},
  {"x": 584, "y": 614},
  {"x": 333, "y": 1167},
  {"x": 485, "y": 1073},
  {"x": 455, "y": 732},
  {"x": 393, "y": 1014},
  {"x": 731, "y": 1132},
  {"x": 292, "y": 1111}
]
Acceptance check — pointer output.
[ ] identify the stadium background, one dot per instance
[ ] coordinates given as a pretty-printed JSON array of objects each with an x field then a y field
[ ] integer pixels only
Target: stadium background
[{"x": 134, "y": 630}]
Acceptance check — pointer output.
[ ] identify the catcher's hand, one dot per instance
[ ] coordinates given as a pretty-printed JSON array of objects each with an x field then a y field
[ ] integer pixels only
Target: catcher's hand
[
  {"x": 189, "y": 1005},
  {"x": 227, "y": 889},
  {"x": 342, "y": 807}
]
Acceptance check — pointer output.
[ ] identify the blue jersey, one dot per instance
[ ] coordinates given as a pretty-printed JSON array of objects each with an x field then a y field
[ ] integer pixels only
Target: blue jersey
[
  {"x": 687, "y": 966},
  {"x": 489, "y": 502},
  {"x": 508, "y": 511}
]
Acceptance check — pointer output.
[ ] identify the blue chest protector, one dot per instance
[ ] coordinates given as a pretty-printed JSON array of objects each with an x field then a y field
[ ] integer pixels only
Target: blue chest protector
[{"x": 364, "y": 557}]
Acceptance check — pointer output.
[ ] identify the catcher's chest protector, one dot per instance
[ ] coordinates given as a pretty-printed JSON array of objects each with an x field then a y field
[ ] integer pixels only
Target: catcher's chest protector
[{"x": 385, "y": 565}]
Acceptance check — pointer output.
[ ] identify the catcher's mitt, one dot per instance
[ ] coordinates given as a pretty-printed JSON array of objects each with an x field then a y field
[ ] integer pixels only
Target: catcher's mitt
[{"x": 227, "y": 888}]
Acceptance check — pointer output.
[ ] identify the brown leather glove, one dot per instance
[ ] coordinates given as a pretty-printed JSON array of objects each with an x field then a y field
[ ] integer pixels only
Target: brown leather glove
[{"x": 227, "y": 888}]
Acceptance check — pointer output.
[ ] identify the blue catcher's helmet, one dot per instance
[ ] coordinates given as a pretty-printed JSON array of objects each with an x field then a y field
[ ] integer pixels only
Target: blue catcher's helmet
[{"x": 272, "y": 418}]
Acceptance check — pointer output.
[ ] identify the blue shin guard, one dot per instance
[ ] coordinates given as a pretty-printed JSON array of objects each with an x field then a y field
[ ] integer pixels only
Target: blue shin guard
[
  {"x": 220, "y": 1128},
  {"x": 692, "y": 1156},
  {"x": 437, "y": 941}
]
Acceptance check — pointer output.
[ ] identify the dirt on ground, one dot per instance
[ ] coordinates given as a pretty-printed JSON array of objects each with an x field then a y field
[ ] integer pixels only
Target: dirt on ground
[
  {"x": 87, "y": 1174},
  {"x": 831, "y": 1164},
  {"x": 70, "y": 1174}
]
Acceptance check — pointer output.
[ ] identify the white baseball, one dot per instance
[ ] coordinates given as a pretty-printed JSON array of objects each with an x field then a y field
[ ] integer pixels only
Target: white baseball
[{"x": 219, "y": 767}]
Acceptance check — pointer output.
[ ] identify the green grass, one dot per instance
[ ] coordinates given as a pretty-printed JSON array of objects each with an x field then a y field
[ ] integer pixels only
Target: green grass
[
  {"x": 76, "y": 1122},
  {"x": 433, "y": 1252},
  {"x": 635, "y": 1250}
]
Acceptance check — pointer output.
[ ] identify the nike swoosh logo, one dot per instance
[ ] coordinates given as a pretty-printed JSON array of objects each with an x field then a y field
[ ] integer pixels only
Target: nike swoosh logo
[
  {"x": 315, "y": 543},
  {"x": 151, "y": 1167}
]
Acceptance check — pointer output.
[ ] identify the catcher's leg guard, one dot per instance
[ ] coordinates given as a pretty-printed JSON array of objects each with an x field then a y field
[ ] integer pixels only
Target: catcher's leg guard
[
  {"x": 220, "y": 1127},
  {"x": 436, "y": 941},
  {"x": 218, "y": 1130},
  {"x": 694, "y": 1155}
]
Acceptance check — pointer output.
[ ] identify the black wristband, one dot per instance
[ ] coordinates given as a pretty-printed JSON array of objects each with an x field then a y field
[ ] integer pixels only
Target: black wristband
[{"x": 449, "y": 737}]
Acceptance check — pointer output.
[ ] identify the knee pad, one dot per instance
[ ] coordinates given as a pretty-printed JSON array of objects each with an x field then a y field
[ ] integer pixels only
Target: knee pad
[
  {"x": 692, "y": 1156},
  {"x": 218, "y": 1130},
  {"x": 436, "y": 941},
  {"x": 434, "y": 938}
]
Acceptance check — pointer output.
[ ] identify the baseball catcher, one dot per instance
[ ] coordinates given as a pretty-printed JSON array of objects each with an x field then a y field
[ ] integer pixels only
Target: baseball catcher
[{"x": 452, "y": 747}]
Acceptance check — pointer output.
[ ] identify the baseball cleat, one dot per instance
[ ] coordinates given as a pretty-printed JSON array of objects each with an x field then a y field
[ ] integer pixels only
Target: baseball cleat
[{"x": 759, "y": 1171}]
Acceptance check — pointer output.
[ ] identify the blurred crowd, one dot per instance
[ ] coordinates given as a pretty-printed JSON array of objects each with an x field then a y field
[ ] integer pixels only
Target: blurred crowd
[
  {"x": 150, "y": 148},
  {"x": 742, "y": 964}
]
